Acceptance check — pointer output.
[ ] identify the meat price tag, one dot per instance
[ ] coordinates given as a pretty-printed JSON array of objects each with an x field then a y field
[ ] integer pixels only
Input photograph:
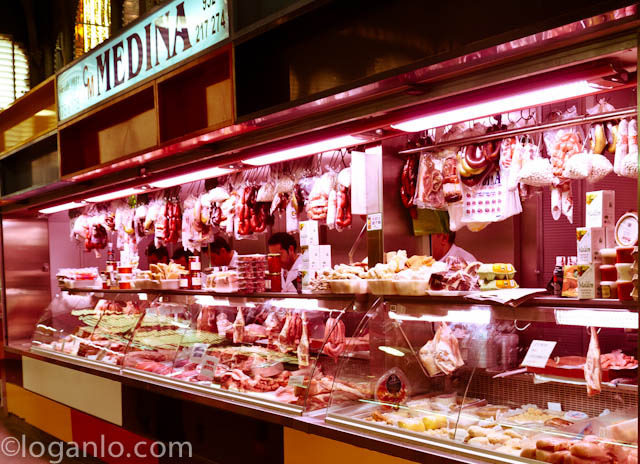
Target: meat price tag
[
  {"x": 551, "y": 406},
  {"x": 198, "y": 352},
  {"x": 296, "y": 381},
  {"x": 374, "y": 221},
  {"x": 208, "y": 370},
  {"x": 539, "y": 353}
]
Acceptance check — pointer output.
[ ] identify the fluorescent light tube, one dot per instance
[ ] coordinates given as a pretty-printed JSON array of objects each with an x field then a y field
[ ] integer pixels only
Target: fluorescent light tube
[
  {"x": 498, "y": 106},
  {"x": 191, "y": 177},
  {"x": 596, "y": 318},
  {"x": 63, "y": 207},
  {"x": 114, "y": 195},
  {"x": 304, "y": 150}
]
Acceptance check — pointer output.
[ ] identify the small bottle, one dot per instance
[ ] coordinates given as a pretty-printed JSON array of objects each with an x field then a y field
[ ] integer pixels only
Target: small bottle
[{"x": 558, "y": 275}]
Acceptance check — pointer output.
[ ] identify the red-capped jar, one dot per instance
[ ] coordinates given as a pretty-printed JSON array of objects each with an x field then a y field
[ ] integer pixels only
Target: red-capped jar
[{"x": 274, "y": 263}]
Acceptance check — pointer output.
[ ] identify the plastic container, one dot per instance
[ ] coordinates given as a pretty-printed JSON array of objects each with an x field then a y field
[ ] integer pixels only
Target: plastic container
[
  {"x": 624, "y": 271},
  {"x": 608, "y": 255},
  {"x": 624, "y": 254},
  {"x": 624, "y": 290},
  {"x": 627, "y": 230},
  {"x": 608, "y": 272},
  {"x": 353, "y": 286},
  {"x": 170, "y": 284},
  {"x": 609, "y": 289},
  {"x": 411, "y": 287},
  {"x": 381, "y": 287}
]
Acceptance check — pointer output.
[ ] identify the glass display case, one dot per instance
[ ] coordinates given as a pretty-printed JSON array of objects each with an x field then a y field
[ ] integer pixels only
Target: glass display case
[
  {"x": 495, "y": 383},
  {"x": 278, "y": 352}
]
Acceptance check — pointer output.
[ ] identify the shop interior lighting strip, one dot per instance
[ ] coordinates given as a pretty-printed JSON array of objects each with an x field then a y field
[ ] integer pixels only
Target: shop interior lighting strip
[
  {"x": 501, "y": 105},
  {"x": 528, "y": 130}
]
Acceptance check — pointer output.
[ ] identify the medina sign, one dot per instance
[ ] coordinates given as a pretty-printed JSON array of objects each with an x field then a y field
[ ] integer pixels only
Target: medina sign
[{"x": 170, "y": 35}]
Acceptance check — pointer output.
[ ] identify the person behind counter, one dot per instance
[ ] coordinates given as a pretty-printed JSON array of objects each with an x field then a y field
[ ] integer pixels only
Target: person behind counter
[
  {"x": 181, "y": 256},
  {"x": 443, "y": 246},
  {"x": 222, "y": 254},
  {"x": 157, "y": 255},
  {"x": 287, "y": 246}
]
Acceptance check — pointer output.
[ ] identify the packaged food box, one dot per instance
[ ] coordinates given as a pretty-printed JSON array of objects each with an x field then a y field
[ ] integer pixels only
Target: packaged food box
[
  {"x": 600, "y": 208},
  {"x": 590, "y": 241},
  {"x": 588, "y": 281}
]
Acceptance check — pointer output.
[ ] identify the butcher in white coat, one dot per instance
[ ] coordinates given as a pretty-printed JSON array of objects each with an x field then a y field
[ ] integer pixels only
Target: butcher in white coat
[
  {"x": 291, "y": 260},
  {"x": 443, "y": 245}
]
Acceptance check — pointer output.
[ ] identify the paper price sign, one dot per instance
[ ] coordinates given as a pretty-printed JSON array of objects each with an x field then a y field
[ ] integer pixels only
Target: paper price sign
[
  {"x": 208, "y": 370},
  {"x": 198, "y": 351},
  {"x": 296, "y": 381},
  {"x": 539, "y": 353},
  {"x": 374, "y": 221}
]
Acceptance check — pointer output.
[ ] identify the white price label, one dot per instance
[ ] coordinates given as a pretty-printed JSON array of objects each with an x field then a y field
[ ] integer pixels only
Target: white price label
[
  {"x": 198, "y": 352},
  {"x": 539, "y": 353},
  {"x": 208, "y": 370},
  {"x": 551, "y": 406},
  {"x": 374, "y": 221},
  {"x": 296, "y": 381}
]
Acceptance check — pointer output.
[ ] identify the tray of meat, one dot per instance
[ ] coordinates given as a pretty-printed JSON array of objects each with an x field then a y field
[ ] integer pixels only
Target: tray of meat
[{"x": 614, "y": 365}]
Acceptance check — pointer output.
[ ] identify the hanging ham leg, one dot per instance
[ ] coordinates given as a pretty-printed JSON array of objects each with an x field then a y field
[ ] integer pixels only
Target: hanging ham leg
[
  {"x": 447, "y": 352},
  {"x": 334, "y": 334},
  {"x": 592, "y": 369},
  {"x": 303, "y": 346},
  {"x": 238, "y": 327},
  {"x": 284, "y": 334}
]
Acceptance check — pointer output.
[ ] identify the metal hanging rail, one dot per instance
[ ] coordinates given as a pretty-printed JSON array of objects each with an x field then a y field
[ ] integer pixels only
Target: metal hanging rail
[{"x": 527, "y": 130}]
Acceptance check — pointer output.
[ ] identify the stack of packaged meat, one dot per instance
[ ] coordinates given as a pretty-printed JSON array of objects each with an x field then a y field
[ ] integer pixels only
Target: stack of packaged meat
[{"x": 251, "y": 273}]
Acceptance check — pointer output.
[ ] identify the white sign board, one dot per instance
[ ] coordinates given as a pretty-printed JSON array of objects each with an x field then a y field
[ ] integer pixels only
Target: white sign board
[
  {"x": 539, "y": 353},
  {"x": 170, "y": 35}
]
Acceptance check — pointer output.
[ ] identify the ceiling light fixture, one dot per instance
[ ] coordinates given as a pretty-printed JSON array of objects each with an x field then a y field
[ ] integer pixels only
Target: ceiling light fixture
[
  {"x": 191, "y": 177},
  {"x": 304, "y": 150},
  {"x": 114, "y": 195},
  {"x": 63, "y": 207},
  {"x": 498, "y": 106}
]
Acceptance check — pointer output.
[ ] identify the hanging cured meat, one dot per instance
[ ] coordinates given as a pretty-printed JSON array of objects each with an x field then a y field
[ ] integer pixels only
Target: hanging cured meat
[
  {"x": 238, "y": 327},
  {"x": 592, "y": 368},
  {"x": 335, "y": 341},
  {"x": 303, "y": 346}
]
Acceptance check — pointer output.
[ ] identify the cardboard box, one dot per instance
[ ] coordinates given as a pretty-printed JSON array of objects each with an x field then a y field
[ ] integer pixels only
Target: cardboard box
[
  {"x": 309, "y": 233},
  {"x": 588, "y": 281},
  {"x": 325, "y": 257},
  {"x": 600, "y": 210},
  {"x": 590, "y": 241},
  {"x": 610, "y": 237}
]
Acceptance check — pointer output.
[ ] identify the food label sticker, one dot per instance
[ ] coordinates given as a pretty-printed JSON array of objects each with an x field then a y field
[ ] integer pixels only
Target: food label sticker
[
  {"x": 198, "y": 352},
  {"x": 296, "y": 381},
  {"x": 374, "y": 221},
  {"x": 539, "y": 353},
  {"x": 208, "y": 370},
  {"x": 551, "y": 406}
]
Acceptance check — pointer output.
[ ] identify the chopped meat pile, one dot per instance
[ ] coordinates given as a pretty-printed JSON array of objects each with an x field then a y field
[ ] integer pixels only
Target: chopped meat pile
[{"x": 618, "y": 360}]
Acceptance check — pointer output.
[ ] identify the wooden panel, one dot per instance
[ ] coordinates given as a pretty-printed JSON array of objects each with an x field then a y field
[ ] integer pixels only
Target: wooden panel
[
  {"x": 130, "y": 121},
  {"x": 88, "y": 393},
  {"x": 135, "y": 134},
  {"x": 44, "y": 414},
  {"x": 191, "y": 99},
  {"x": 29, "y": 128},
  {"x": 28, "y": 117},
  {"x": 300, "y": 447},
  {"x": 88, "y": 429},
  {"x": 219, "y": 104}
]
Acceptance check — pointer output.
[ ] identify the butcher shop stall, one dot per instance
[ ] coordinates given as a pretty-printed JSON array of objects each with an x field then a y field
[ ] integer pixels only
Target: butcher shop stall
[{"x": 465, "y": 282}]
